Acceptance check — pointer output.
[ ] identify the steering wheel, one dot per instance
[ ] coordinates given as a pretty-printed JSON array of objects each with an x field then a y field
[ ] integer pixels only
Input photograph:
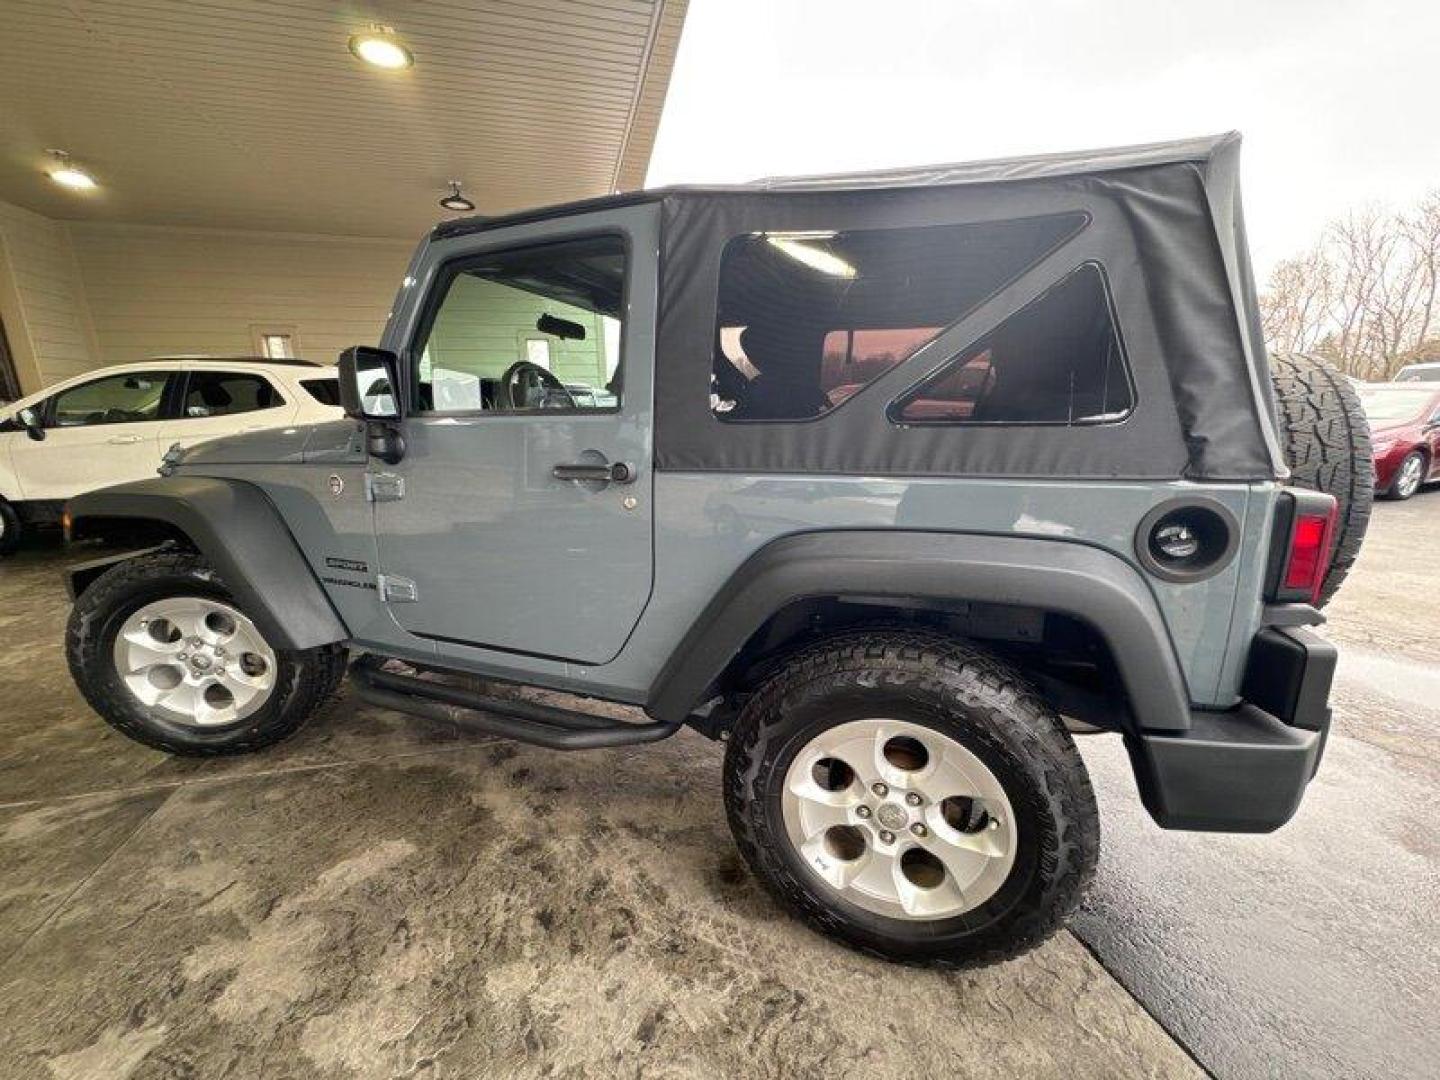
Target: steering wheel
[{"x": 523, "y": 380}]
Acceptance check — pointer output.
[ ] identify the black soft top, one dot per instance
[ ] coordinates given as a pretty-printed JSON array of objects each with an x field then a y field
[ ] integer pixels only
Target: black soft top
[{"x": 1164, "y": 220}]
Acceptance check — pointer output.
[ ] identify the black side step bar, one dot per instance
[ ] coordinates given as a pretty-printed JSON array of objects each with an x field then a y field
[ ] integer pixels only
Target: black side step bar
[{"x": 523, "y": 721}]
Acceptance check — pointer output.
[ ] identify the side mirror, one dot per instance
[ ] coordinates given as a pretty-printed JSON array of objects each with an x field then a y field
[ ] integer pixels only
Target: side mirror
[
  {"x": 30, "y": 420},
  {"x": 368, "y": 381}
]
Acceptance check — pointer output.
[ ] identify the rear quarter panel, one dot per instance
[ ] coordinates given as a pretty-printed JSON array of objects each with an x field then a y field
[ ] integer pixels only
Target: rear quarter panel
[{"x": 707, "y": 524}]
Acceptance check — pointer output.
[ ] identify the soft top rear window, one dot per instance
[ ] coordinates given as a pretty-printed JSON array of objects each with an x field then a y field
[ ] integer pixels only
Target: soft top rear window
[{"x": 808, "y": 318}]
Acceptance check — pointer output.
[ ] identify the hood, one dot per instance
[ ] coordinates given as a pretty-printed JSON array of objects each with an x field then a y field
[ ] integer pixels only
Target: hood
[{"x": 273, "y": 446}]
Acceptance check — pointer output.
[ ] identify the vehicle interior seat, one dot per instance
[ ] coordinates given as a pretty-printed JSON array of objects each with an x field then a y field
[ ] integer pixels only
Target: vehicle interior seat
[{"x": 784, "y": 389}]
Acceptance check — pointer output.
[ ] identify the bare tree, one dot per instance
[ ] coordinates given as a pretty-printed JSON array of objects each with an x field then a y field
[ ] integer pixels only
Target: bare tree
[
  {"x": 1294, "y": 307},
  {"x": 1422, "y": 232},
  {"x": 1367, "y": 296}
]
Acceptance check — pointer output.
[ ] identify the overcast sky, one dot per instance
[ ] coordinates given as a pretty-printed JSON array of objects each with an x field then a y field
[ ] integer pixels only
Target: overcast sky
[{"x": 1339, "y": 101}]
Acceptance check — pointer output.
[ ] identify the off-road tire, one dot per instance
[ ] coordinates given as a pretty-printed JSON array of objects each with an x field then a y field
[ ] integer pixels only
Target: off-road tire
[
  {"x": 1326, "y": 439},
  {"x": 10, "y": 529},
  {"x": 962, "y": 692},
  {"x": 304, "y": 679}
]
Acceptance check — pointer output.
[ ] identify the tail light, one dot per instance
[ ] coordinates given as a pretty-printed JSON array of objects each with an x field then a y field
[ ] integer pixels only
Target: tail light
[{"x": 1300, "y": 553}]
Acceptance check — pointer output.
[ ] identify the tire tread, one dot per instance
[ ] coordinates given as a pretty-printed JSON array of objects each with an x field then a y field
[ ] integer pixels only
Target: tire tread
[{"x": 920, "y": 663}]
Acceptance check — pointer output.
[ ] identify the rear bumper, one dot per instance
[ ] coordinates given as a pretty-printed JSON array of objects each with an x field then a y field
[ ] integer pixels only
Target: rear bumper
[{"x": 1245, "y": 769}]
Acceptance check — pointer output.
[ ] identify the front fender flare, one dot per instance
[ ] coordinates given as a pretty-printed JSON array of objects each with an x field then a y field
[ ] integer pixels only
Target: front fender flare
[
  {"x": 240, "y": 532},
  {"x": 1059, "y": 576}
]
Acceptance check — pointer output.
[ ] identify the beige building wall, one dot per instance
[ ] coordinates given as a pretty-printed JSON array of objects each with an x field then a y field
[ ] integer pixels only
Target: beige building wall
[
  {"x": 42, "y": 300},
  {"x": 154, "y": 291}
]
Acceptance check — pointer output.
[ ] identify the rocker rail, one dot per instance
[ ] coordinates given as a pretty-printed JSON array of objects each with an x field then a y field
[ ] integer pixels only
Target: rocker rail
[{"x": 523, "y": 721}]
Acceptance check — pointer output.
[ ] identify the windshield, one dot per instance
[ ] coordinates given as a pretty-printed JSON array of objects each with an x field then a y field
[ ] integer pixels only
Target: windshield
[{"x": 1383, "y": 406}]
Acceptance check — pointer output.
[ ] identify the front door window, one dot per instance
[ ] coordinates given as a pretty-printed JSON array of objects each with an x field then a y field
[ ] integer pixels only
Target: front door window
[{"x": 529, "y": 330}]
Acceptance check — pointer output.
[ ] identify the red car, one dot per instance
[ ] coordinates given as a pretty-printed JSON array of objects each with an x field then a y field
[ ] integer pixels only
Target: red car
[{"x": 1404, "y": 434}]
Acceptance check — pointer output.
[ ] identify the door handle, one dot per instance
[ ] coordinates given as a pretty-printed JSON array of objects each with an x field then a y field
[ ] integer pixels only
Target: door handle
[
  {"x": 614, "y": 472},
  {"x": 124, "y": 440}
]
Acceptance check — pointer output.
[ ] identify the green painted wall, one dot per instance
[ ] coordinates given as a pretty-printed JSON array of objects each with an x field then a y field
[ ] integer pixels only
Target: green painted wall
[{"x": 482, "y": 328}]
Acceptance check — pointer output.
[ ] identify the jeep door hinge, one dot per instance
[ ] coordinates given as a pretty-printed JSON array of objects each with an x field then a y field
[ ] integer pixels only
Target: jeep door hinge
[
  {"x": 396, "y": 590},
  {"x": 384, "y": 487}
]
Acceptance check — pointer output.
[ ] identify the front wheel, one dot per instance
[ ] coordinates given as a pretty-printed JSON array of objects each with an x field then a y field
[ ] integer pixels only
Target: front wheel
[
  {"x": 910, "y": 795},
  {"x": 162, "y": 651}
]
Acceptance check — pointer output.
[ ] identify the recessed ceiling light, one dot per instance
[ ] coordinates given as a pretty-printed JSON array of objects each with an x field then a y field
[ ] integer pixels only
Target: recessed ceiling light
[
  {"x": 380, "y": 48},
  {"x": 456, "y": 201},
  {"x": 67, "y": 174}
]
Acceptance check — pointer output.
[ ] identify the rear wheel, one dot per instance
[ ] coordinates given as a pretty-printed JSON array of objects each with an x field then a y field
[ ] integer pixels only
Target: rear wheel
[
  {"x": 1408, "y": 477},
  {"x": 911, "y": 796},
  {"x": 1327, "y": 446},
  {"x": 162, "y": 651}
]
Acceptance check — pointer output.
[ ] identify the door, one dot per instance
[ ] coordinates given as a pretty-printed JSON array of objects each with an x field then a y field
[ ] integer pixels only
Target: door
[
  {"x": 495, "y": 529},
  {"x": 216, "y": 403},
  {"x": 97, "y": 433}
]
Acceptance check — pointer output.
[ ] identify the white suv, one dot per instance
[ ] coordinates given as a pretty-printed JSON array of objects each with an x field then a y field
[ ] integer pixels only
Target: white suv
[{"x": 113, "y": 425}]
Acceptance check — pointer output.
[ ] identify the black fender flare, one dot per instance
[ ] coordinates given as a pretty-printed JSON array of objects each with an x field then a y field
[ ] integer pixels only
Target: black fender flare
[
  {"x": 1058, "y": 575},
  {"x": 237, "y": 528}
]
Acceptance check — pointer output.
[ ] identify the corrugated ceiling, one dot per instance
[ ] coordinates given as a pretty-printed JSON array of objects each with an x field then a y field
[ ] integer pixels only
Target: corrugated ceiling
[{"x": 253, "y": 114}]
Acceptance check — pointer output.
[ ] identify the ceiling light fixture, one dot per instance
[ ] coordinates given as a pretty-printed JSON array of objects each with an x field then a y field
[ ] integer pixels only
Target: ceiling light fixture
[
  {"x": 456, "y": 201},
  {"x": 379, "y": 47},
  {"x": 801, "y": 248},
  {"x": 67, "y": 174}
]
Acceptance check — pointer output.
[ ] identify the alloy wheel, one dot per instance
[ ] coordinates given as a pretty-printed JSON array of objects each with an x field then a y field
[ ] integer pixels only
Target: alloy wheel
[
  {"x": 899, "y": 819},
  {"x": 198, "y": 661},
  {"x": 1411, "y": 470}
]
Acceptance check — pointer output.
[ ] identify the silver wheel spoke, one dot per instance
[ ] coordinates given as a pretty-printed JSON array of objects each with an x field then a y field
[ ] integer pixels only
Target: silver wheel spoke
[
  {"x": 935, "y": 900},
  {"x": 964, "y": 862},
  {"x": 143, "y": 655},
  {"x": 877, "y": 876},
  {"x": 242, "y": 688},
  {"x": 838, "y": 872}
]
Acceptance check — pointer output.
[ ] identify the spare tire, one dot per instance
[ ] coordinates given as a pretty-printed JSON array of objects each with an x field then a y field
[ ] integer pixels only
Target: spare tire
[{"x": 1327, "y": 445}]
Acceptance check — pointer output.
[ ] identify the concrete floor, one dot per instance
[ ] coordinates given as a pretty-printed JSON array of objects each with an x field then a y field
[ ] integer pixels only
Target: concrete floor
[{"x": 379, "y": 897}]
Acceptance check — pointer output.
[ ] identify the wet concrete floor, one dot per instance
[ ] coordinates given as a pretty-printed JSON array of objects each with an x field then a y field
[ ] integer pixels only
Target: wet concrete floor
[{"x": 1314, "y": 951}]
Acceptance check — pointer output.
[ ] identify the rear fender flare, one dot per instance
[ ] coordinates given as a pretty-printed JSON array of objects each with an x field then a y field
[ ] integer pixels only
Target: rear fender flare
[{"x": 1058, "y": 576}]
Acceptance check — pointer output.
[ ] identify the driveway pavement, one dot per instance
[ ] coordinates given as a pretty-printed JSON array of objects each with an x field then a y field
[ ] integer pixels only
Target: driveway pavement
[{"x": 1315, "y": 951}]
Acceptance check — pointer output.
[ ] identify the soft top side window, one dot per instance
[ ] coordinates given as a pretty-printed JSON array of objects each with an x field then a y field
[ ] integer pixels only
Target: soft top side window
[
  {"x": 1058, "y": 360},
  {"x": 806, "y": 319}
]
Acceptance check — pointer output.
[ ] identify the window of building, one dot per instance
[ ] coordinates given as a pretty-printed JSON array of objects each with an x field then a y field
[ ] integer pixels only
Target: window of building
[
  {"x": 1058, "y": 360},
  {"x": 807, "y": 319},
  {"x": 530, "y": 329},
  {"x": 116, "y": 399},
  {"x": 275, "y": 342},
  {"x": 226, "y": 393}
]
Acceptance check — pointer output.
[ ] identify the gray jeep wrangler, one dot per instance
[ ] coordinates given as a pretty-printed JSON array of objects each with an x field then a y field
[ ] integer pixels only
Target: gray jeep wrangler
[{"x": 890, "y": 481}]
